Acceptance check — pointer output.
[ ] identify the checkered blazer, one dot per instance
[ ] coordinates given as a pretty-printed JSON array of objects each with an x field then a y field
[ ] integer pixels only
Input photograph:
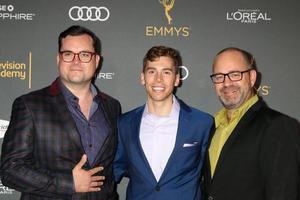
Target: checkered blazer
[{"x": 42, "y": 145}]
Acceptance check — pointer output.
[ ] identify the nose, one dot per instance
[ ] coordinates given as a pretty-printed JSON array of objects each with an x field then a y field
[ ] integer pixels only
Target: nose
[
  {"x": 76, "y": 58},
  {"x": 158, "y": 77},
  {"x": 227, "y": 81}
]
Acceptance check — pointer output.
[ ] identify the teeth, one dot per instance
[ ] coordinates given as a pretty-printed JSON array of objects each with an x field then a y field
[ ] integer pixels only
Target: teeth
[{"x": 158, "y": 88}]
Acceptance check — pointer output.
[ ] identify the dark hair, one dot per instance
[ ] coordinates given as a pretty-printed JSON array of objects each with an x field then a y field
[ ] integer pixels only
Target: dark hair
[
  {"x": 77, "y": 30},
  {"x": 159, "y": 51},
  {"x": 248, "y": 57}
]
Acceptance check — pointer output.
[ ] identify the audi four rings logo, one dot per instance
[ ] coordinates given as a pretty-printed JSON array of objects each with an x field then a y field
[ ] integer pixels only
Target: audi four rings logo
[{"x": 85, "y": 13}]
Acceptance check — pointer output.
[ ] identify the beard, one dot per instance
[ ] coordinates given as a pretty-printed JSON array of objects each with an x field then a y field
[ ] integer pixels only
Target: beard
[{"x": 232, "y": 96}]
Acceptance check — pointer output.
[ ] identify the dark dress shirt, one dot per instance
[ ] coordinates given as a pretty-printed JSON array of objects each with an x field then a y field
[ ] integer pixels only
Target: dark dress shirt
[{"x": 93, "y": 131}]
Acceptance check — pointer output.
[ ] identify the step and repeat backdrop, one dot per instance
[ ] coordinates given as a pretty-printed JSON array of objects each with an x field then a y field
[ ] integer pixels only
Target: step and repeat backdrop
[{"x": 127, "y": 29}]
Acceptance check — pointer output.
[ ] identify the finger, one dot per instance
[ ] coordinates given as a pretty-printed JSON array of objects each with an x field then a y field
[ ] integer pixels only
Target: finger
[
  {"x": 95, "y": 170},
  {"x": 82, "y": 161},
  {"x": 96, "y": 184},
  {"x": 94, "y": 189},
  {"x": 98, "y": 178}
]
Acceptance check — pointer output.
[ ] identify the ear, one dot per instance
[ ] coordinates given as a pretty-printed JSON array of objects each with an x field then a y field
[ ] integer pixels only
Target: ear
[
  {"x": 253, "y": 75},
  {"x": 98, "y": 58},
  {"x": 57, "y": 59},
  {"x": 177, "y": 80},
  {"x": 142, "y": 79}
]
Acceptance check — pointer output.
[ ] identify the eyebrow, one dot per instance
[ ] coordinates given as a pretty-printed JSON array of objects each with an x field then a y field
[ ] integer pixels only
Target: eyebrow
[
  {"x": 163, "y": 69},
  {"x": 85, "y": 50},
  {"x": 230, "y": 71}
]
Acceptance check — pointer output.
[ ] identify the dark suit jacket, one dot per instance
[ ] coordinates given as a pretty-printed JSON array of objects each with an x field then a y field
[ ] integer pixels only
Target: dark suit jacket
[
  {"x": 181, "y": 177},
  {"x": 42, "y": 145},
  {"x": 259, "y": 161}
]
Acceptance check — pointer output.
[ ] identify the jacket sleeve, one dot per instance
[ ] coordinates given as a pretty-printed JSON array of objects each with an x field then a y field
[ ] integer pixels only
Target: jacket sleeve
[
  {"x": 19, "y": 170},
  {"x": 120, "y": 163},
  {"x": 280, "y": 159}
]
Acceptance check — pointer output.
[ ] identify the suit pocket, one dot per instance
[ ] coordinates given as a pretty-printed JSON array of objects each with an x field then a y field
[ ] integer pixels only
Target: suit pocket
[
  {"x": 190, "y": 153},
  {"x": 191, "y": 147}
]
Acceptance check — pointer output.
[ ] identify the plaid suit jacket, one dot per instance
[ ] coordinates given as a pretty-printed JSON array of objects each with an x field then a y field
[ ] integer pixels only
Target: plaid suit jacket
[{"x": 42, "y": 145}]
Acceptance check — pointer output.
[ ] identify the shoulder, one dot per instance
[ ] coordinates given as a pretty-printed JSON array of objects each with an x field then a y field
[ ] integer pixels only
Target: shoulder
[
  {"x": 34, "y": 96},
  {"x": 136, "y": 112},
  {"x": 130, "y": 121},
  {"x": 195, "y": 114},
  {"x": 278, "y": 130},
  {"x": 275, "y": 124},
  {"x": 270, "y": 115},
  {"x": 274, "y": 117},
  {"x": 35, "y": 100},
  {"x": 110, "y": 105},
  {"x": 107, "y": 98}
]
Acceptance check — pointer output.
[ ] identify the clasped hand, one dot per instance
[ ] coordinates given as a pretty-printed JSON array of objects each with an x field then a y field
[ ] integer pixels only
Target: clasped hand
[{"x": 84, "y": 180}]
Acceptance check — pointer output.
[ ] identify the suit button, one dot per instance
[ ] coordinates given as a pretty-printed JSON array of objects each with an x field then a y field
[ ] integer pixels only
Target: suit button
[
  {"x": 157, "y": 188},
  {"x": 210, "y": 198}
]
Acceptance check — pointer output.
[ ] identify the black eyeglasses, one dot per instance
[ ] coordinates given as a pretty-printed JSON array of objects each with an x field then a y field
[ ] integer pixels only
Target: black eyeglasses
[
  {"x": 233, "y": 76},
  {"x": 83, "y": 56}
]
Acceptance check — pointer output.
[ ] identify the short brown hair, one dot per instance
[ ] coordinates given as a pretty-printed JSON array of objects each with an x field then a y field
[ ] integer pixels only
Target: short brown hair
[{"x": 159, "y": 51}]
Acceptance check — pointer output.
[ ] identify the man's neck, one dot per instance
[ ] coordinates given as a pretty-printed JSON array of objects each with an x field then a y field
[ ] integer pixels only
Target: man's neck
[
  {"x": 81, "y": 91},
  {"x": 229, "y": 112},
  {"x": 160, "y": 108}
]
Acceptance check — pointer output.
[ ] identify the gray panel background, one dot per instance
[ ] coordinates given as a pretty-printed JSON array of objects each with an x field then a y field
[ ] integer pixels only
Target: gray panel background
[{"x": 274, "y": 43}]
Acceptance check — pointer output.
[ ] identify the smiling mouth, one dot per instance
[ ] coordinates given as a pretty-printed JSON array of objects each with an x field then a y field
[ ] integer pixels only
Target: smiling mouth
[
  {"x": 229, "y": 93},
  {"x": 76, "y": 69},
  {"x": 157, "y": 88}
]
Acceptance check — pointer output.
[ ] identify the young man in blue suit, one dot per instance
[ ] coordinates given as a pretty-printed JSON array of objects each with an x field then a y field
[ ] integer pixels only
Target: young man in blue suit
[{"x": 161, "y": 145}]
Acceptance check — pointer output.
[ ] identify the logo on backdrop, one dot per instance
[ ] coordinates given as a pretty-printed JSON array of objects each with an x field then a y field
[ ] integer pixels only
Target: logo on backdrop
[
  {"x": 9, "y": 12},
  {"x": 106, "y": 75},
  {"x": 168, "y": 5},
  {"x": 184, "y": 72},
  {"x": 248, "y": 16},
  {"x": 16, "y": 69},
  {"x": 5, "y": 190},
  {"x": 93, "y": 13},
  {"x": 3, "y": 127},
  {"x": 264, "y": 90},
  {"x": 167, "y": 29}
]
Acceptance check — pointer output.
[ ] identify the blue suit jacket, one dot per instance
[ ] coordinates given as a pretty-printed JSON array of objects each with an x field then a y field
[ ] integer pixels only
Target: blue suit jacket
[{"x": 181, "y": 177}]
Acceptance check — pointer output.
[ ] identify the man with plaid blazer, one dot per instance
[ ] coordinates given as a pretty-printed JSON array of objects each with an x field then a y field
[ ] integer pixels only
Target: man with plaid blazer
[{"x": 61, "y": 139}]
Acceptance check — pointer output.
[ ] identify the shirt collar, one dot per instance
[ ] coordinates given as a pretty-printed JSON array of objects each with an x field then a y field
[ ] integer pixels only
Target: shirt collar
[
  {"x": 174, "y": 111},
  {"x": 70, "y": 96},
  {"x": 221, "y": 116}
]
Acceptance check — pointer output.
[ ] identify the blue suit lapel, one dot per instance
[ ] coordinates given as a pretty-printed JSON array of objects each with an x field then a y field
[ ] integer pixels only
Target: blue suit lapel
[
  {"x": 183, "y": 126},
  {"x": 138, "y": 153}
]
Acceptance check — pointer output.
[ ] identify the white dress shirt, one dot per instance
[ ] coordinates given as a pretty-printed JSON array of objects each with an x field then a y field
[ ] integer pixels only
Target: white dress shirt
[{"x": 158, "y": 137}]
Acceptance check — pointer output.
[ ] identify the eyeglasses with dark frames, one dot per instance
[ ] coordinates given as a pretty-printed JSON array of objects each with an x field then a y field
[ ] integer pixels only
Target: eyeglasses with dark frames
[
  {"x": 83, "y": 56},
  {"x": 233, "y": 76}
]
